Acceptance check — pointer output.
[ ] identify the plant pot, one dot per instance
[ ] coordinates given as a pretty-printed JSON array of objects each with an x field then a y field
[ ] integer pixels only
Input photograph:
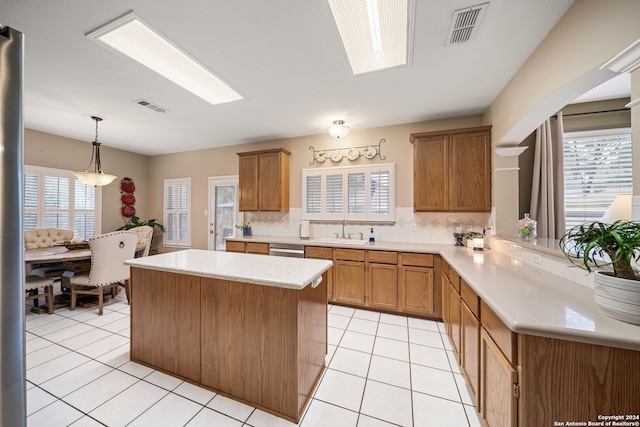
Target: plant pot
[
  {"x": 246, "y": 231},
  {"x": 618, "y": 298}
]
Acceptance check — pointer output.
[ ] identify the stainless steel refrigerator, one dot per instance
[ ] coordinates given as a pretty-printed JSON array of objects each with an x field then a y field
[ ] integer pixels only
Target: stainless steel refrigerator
[{"x": 12, "y": 316}]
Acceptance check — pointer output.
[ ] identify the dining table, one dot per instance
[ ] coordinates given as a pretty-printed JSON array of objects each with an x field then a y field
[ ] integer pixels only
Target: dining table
[{"x": 75, "y": 261}]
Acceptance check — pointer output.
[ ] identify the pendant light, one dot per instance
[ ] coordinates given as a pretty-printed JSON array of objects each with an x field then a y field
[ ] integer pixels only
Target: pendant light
[
  {"x": 338, "y": 129},
  {"x": 96, "y": 178}
]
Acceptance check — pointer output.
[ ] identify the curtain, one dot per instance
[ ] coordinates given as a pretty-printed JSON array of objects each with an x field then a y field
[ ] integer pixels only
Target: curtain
[{"x": 547, "y": 190}]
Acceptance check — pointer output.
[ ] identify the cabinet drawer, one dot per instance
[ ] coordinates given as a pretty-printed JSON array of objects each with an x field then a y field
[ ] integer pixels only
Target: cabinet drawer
[
  {"x": 445, "y": 268},
  {"x": 383, "y": 257},
  {"x": 233, "y": 246},
  {"x": 349, "y": 254},
  {"x": 318, "y": 252},
  {"x": 454, "y": 279},
  {"x": 258, "y": 248},
  {"x": 418, "y": 260},
  {"x": 504, "y": 337},
  {"x": 470, "y": 297}
]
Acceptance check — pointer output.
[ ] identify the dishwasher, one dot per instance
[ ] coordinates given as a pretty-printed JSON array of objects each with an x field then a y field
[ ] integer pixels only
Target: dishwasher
[{"x": 287, "y": 250}]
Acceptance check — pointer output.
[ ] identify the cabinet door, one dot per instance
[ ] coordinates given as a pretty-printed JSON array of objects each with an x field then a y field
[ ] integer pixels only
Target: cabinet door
[
  {"x": 430, "y": 180},
  {"x": 471, "y": 172},
  {"x": 416, "y": 290},
  {"x": 269, "y": 184},
  {"x": 323, "y": 253},
  {"x": 348, "y": 284},
  {"x": 445, "y": 301},
  {"x": 499, "y": 405},
  {"x": 454, "y": 316},
  {"x": 382, "y": 286},
  {"x": 470, "y": 350},
  {"x": 248, "y": 182}
]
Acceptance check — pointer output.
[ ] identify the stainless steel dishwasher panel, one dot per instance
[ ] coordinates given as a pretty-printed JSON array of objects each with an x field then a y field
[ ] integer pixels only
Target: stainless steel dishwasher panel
[{"x": 287, "y": 250}]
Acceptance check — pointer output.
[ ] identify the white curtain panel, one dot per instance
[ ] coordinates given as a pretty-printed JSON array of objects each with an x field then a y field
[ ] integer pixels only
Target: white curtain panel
[{"x": 547, "y": 190}]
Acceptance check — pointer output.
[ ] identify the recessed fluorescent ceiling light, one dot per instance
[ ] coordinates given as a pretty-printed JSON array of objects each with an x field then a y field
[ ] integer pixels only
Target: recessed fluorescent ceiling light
[
  {"x": 133, "y": 37},
  {"x": 374, "y": 33}
]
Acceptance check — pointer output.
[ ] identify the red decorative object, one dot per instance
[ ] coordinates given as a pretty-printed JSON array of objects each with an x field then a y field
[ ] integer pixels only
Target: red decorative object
[
  {"x": 128, "y": 211},
  {"x": 127, "y": 185},
  {"x": 128, "y": 199}
]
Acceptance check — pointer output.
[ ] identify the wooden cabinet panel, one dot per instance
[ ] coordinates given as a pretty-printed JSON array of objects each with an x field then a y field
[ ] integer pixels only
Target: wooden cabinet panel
[
  {"x": 417, "y": 290},
  {"x": 264, "y": 180},
  {"x": 349, "y": 282},
  {"x": 470, "y": 297},
  {"x": 452, "y": 170},
  {"x": 382, "y": 257},
  {"x": 258, "y": 248},
  {"x": 248, "y": 182},
  {"x": 417, "y": 260},
  {"x": 348, "y": 254},
  {"x": 470, "y": 350},
  {"x": 382, "y": 286},
  {"x": 233, "y": 246},
  {"x": 454, "y": 318},
  {"x": 322, "y": 253},
  {"x": 498, "y": 378},
  {"x": 444, "y": 286},
  {"x": 471, "y": 172},
  {"x": 166, "y": 341},
  {"x": 505, "y": 338}
]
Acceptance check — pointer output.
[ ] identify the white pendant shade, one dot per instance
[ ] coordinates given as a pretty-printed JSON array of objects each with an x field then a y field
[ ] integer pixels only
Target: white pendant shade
[
  {"x": 620, "y": 209},
  {"x": 339, "y": 129},
  {"x": 95, "y": 179}
]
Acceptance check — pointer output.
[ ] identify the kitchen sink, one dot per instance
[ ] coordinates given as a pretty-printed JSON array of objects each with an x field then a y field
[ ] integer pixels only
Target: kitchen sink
[{"x": 334, "y": 241}]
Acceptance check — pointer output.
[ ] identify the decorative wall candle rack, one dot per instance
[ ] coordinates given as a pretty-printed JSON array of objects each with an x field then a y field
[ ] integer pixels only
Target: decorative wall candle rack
[{"x": 352, "y": 153}]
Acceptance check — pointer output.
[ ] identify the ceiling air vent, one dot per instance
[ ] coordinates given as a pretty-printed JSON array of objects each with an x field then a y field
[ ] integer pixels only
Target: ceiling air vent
[
  {"x": 151, "y": 106},
  {"x": 465, "y": 23}
]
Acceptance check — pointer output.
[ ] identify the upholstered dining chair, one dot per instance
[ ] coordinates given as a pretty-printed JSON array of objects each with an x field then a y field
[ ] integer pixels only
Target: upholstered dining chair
[
  {"x": 108, "y": 253},
  {"x": 32, "y": 285},
  {"x": 45, "y": 238},
  {"x": 145, "y": 234}
]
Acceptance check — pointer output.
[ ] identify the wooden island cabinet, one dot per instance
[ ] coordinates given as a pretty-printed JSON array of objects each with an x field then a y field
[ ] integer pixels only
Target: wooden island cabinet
[{"x": 249, "y": 327}]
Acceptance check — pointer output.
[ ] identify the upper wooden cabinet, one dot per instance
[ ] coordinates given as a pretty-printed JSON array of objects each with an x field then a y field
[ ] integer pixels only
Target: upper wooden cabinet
[
  {"x": 264, "y": 180},
  {"x": 452, "y": 170}
]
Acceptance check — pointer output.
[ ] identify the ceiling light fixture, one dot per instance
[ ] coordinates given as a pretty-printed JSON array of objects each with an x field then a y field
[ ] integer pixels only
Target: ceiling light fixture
[
  {"x": 339, "y": 129},
  {"x": 375, "y": 34},
  {"x": 96, "y": 178},
  {"x": 131, "y": 36}
]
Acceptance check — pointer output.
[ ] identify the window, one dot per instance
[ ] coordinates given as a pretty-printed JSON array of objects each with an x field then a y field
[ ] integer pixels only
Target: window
[
  {"x": 361, "y": 193},
  {"x": 54, "y": 198},
  {"x": 597, "y": 168},
  {"x": 177, "y": 212}
]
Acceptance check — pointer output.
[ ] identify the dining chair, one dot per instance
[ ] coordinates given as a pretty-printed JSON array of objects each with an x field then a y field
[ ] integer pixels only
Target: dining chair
[
  {"x": 108, "y": 253},
  {"x": 45, "y": 238},
  {"x": 145, "y": 234},
  {"x": 32, "y": 285}
]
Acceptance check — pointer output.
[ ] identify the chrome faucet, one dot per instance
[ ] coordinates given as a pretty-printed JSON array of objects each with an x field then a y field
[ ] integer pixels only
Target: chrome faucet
[{"x": 344, "y": 224}]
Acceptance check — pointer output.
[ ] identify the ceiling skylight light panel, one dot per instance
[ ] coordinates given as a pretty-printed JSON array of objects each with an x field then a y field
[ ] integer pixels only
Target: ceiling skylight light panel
[
  {"x": 374, "y": 33},
  {"x": 132, "y": 37}
]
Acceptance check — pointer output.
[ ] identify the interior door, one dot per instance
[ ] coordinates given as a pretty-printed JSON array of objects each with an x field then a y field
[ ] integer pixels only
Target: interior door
[{"x": 223, "y": 210}]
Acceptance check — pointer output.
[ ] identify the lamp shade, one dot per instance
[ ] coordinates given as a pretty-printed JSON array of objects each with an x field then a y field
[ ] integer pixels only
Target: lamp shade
[
  {"x": 620, "y": 209},
  {"x": 338, "y": 129},
  {"x": 95, "y": 179}
]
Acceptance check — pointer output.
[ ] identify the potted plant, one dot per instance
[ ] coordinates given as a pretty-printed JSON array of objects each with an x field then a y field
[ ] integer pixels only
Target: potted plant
[
  {"x": 617, "y": 245},
  {"x": 134, "y": 221},
  {"x": 245, "y": 227}
]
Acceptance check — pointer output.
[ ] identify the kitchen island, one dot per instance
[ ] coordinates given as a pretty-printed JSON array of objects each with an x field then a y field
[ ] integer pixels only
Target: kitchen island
[{"x": 249, "y": 327}]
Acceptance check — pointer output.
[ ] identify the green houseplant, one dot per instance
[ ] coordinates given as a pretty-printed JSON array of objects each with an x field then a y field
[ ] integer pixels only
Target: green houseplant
[
  {"x": 134, "y": 221},
  {"x": 246, "y": 228},
  {"x": 616, "y": 246}
]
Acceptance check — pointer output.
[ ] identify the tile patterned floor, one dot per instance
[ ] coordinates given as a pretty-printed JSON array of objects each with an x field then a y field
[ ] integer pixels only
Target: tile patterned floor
[{"x": 384, "y": 370}]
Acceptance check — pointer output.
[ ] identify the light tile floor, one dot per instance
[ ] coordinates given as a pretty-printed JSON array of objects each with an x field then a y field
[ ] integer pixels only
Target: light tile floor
[{"x": 384, "y": 370}]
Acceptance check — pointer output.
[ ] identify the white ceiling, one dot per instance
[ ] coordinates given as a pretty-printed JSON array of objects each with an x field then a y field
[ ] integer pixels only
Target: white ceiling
[{"x": 283, "y": 56}]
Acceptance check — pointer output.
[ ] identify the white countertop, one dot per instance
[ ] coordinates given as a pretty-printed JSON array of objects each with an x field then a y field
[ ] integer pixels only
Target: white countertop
[
  {"x": 528, "y": 300},
  {"x": 291, "y": 273}
]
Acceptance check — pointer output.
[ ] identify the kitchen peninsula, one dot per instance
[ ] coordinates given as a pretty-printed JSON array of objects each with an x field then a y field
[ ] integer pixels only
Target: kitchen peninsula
[{"x": 250, "y": 327}]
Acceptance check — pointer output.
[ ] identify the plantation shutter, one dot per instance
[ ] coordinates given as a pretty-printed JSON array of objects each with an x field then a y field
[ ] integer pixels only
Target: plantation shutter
[
  {"x": 177, "y": 216},
  {"x": 30, "y": 217}
]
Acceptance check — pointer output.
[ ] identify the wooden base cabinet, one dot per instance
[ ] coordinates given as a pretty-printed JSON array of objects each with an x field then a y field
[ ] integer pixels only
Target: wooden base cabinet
[
  {"x": 248, "y": 247},
  {"x": 470, "y": 350},
  {"x": 318, "y": 252},
  {"x": 382, "y": 286},
  {"x": 419, "y": 292},
  {"x": 349, "y": 276},
  {"x": 498, "y": 389}
]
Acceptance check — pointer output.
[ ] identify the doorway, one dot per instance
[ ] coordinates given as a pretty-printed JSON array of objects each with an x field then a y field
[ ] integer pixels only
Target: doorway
[{"x": 223, "y": 210}]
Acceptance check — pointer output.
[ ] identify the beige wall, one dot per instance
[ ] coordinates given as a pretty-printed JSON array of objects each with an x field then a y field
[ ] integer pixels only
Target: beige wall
[
  {"x": 44, "y": 149},
  {"x": 564, "y": 66},
  {"x": 202, "y": 164}
]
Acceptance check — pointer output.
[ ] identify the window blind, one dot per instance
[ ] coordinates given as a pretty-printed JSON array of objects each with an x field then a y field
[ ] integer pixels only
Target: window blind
[
  {"x": 333, "y": 194},
  {"x": 597, "y": 169}
]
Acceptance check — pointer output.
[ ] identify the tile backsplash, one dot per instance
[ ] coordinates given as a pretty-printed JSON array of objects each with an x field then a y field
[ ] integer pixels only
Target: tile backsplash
[{"x": 414, "y": 227}]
